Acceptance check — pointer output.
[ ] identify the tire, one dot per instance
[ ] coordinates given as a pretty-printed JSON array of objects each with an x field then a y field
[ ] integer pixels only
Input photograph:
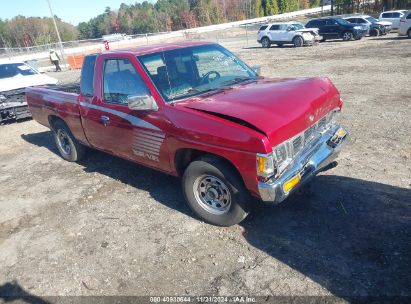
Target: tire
[
  {"x": 347, "y": 36},
  {"x": 70, "y": 149},
  {"x": 409, "y": 33},
  {"x": 298, "y": 41},
  {"x": 266, "y": 43},
  {"x": 208, "y": 178},
  {"x": 374, "y": 32}
]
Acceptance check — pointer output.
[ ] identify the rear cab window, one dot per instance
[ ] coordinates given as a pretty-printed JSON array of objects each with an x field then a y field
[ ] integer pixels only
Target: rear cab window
[
  {"x": 263, "y": 27},
  {"x": 120, "y": 81},
  {"x": 386, "y": 15},
  {"x": 87, "y": 76},
  {"x": 409, "y": 16}
]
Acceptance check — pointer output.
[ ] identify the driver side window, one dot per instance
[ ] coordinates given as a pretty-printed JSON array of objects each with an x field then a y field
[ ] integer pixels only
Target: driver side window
[{"x": 121, "y": 80}]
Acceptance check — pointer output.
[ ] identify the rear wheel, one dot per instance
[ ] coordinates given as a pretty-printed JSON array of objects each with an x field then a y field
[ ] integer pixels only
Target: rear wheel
[
  {"x": 298, "y": 41},
  {"x": 214, "y": 192},
  {"x": 70, "y": 149},
  {"x": 266, "y": 43},
  {"x": 347, "y": 36}
]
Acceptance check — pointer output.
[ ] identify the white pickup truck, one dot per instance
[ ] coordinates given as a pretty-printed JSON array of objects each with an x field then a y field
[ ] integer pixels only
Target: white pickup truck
[{"x": 287, "y": 33}]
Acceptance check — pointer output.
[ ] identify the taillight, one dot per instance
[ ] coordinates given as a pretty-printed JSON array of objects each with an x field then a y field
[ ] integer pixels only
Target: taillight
[{"x": 402, "y": 20}]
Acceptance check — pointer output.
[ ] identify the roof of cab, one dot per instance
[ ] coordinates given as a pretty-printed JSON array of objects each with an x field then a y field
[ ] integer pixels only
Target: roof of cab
[{"x": 149, "y": 49}]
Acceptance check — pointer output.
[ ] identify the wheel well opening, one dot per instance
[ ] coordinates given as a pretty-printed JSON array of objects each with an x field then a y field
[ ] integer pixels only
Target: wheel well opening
[
  {"x": 52, "y": 120},
  {"x": 185, "y": 156}
]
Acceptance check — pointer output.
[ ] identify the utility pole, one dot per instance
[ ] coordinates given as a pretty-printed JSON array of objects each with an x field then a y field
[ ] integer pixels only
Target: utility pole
[{"x": 58, "y": 34}]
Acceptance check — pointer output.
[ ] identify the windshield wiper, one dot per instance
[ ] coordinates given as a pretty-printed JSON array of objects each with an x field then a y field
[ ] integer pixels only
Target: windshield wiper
[{"x": 236, "y": 80}]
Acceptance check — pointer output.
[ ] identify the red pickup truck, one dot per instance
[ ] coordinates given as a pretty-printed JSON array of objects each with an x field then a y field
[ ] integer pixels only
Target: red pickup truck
[{"x": 197, "y": 111}]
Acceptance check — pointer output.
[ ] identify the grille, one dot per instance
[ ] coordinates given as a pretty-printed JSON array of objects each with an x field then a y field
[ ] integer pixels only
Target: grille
[
  {"x": 309, "y": 134},
  {"x": 297, "y": 144},
  {"x": 321, "y": 124}
]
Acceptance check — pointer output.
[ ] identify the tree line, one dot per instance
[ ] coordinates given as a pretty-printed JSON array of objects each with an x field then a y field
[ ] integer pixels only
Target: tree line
[
  {"x": 165, "y": 15},
  {"x": 169, "y": 15},
  {"x": 23, "y": 31}
]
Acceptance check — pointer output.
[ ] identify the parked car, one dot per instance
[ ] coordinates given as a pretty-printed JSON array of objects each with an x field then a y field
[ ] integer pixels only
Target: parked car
[
  {"x": 405, "y": 25},
  {"x": 377, "y": 27},
  {"x": 392, "y": 16},
  {"x": 115, "y": 37},
  {"x": 195, "y": 110},
  {"x": 14, "y": 78},
  {"x": 287, "y": 33},
  {"x": 337, "y": 28}
]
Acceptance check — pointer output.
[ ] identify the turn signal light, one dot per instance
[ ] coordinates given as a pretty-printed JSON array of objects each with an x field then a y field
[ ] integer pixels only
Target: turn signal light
[{"x": 291, "y": 183}]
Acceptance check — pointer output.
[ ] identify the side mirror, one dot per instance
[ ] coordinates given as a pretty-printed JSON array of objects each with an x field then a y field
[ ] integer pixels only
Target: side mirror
[
  {"x": 257, "y": 69},
  {"x": 142, "y": 103}
]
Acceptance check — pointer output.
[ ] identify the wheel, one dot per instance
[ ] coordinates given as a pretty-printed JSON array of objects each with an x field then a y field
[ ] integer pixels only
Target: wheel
[
  {"x": 374, "y": 32},
  {"x": 70, "y": 149},
  {"x": 266, "y": 43},
  {"x": 215, "y": 192},
  {"x": 280, "y": 44},
  {"x": 347, "y": 36},
  {"x": 298, "y": 41},
  {"x": 409, "y": 33}
]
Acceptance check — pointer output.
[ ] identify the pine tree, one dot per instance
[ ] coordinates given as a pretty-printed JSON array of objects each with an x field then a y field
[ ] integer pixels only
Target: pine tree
[{"x": 270, "y": 7}]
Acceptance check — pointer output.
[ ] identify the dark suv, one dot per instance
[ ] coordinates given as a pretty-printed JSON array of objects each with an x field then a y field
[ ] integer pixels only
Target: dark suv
[{"x": 337, "y": 28}]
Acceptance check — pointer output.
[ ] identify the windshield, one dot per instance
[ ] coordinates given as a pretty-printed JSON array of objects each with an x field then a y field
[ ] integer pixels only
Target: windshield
[
  {"x": 298, "y": 26},
  {"x": 13, "y": 69},
  {"x": 371, "y": 19},
  {"x": 342, "y": 21},
  {"x": 189, "y": 71}
]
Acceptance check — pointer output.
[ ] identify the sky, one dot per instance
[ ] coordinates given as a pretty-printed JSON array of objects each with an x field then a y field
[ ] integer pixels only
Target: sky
[{"x": 72, "y": 11}]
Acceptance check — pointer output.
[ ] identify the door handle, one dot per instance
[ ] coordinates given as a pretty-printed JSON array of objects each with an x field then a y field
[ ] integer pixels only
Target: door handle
[{"x": 105, "y": 120}]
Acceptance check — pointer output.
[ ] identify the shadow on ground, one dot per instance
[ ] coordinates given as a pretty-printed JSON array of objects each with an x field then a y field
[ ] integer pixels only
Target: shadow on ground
[
  {"x": 351, "y": 236},
  {"x": 13, "y": 292},
  {"x": 389, "y": 38}
]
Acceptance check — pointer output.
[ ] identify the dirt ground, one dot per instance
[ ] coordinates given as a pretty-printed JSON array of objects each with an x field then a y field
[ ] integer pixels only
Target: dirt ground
[{"x": 106, "y": 226}]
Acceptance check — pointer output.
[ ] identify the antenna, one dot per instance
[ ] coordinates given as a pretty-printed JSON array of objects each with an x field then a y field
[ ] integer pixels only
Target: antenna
[{"x": 168, "y": 75}]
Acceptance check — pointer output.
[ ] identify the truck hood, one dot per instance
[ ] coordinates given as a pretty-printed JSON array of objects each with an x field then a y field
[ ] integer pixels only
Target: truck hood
[
  {"x": 278, "y": 108},
  {"x": 20, "y": 81}
]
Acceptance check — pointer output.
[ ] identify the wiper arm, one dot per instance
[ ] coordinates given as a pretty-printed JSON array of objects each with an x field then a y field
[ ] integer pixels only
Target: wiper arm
[{"x": 237, "y": 80}]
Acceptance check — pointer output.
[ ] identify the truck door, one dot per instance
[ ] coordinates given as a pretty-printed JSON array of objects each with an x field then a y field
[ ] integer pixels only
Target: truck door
[{"x": 111, "y": 126}]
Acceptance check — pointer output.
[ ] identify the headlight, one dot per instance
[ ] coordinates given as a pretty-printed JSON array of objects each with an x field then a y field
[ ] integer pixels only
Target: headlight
[
  {"x": 357, "y": 27},
  {"x": 283, "y": 154},
  {"x": 265, "y": 165}
]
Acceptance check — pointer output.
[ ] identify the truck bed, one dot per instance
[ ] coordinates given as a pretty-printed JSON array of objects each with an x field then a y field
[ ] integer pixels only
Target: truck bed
[
  {"x": 68, "y": 88},
  {"x": 47, "y": 103}
]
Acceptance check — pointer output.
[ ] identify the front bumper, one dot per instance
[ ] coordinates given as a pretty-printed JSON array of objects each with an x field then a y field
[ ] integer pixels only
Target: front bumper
[{"x": 307, "y": 165}]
